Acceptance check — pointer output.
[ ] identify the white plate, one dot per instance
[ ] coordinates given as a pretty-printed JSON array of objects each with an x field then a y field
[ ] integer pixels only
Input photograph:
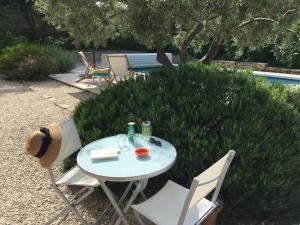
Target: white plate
[{"x": 106, "y": 153}]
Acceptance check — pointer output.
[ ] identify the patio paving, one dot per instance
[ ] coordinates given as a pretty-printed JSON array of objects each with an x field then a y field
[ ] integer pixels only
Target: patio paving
[{"x": 71, "y": 77}]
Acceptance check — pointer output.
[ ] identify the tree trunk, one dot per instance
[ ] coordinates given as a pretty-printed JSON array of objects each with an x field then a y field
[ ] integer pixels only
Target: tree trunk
[
  {"x": 183, "y": 53},
  {"x": 183, "y": 49},
  {"x": 163, "y": 58},
  {"x": 213, "y": 50}
]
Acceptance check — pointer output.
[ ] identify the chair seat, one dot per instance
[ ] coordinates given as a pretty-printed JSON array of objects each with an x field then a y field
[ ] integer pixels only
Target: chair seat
[
  {"x": 165, "y": 207},
  {"x": 102, "y": 72},
  {"x": 75, "y": 177}
]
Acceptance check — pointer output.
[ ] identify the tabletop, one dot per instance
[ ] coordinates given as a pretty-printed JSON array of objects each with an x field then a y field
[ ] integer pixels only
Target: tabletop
[{"x": 127, "y": 166}]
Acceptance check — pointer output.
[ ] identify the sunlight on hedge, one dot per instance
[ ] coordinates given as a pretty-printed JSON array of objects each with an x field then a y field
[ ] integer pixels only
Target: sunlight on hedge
[{"x": 205, "y": 111}]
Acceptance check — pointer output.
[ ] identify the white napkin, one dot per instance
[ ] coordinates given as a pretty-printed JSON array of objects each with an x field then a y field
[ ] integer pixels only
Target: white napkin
[{"x": 105, "y": 153}]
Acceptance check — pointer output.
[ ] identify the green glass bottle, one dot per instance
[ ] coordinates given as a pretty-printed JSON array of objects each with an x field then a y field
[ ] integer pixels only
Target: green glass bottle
[{"x": 131, "y": 131}]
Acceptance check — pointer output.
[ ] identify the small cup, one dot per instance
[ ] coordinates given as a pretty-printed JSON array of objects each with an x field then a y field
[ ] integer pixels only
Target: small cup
[{"x": 123, "y": 139}]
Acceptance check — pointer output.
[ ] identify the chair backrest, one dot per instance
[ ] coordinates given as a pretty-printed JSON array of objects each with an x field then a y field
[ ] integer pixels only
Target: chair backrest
[
  {"x": 104, "y": 61},
  {"x": 211, "y": 179},
  {"x": 70, "y": 141},
  {"x": 119, "y": 65},
  {"x": 85, "y": 60}
]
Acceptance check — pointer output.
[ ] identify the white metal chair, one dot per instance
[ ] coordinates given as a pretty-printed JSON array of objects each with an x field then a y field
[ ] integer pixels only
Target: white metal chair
[
  {"x": 176, "y": 205},
  {"x": 74, "y": 177},
  {"x": 120, "y": 67}
]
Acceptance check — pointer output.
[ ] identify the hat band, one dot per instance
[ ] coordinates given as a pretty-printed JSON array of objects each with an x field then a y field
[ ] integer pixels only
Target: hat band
[{"x": 46, "y": 142}]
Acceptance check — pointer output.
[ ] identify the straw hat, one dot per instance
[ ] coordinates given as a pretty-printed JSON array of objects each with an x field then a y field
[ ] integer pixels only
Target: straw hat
[{"x": 45, "y": 144}]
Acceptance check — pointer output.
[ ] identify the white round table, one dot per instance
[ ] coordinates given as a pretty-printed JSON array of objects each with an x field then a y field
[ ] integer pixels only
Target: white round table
[{"x": 127, "y": 167}]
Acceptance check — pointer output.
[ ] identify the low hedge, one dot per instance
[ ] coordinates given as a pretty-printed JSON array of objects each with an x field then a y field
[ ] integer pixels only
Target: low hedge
[
  {"x": 205, "y": 111},
  {"x": 63, "y": 61},
  {"x": 25, "y": 61}
]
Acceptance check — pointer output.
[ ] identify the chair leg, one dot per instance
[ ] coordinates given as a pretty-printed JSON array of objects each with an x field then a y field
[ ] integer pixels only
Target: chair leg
[
  {"x": 61, "y": 212},
  {"x": 139, "y": 218},
  {"x": 85, "y": 76},
  {"x": 115, "y": 78},
  {"x": 75, "y": 211},
  {"x": 66, "y": 209},
  {"x": 70, "y": 205},
  {"x": 111, "y": 80},
  {"x": 99, "y": 82}
]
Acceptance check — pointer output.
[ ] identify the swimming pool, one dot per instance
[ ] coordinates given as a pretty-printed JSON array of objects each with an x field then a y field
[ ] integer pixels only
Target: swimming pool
[
  {"x": 146, "y": 70},
  {"x": 282, "y": 81},
  {"x": 287, "y": 79}
]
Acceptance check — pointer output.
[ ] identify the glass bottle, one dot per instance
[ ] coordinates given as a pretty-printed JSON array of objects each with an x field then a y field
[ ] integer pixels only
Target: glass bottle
[
  {"x": 131, "y": 131},
  {"x": 146, "y": 130}
]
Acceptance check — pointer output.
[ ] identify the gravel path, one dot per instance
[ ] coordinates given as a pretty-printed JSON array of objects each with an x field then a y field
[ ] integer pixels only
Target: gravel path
[{"x": 25, "y": 193}]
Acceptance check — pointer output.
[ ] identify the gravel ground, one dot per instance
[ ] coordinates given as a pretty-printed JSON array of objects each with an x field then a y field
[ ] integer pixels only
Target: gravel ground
[{"x": 25, "y": 193}]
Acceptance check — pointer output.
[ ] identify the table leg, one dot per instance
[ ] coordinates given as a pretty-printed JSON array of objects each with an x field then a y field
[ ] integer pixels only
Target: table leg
[
  {"x": 98, "y": 220},
  {"x": 140, "y": 187},
  {"x": 113, "y": 202},
  {"x": 143, "y": 188},
  {"x": 125, "y": 193}
]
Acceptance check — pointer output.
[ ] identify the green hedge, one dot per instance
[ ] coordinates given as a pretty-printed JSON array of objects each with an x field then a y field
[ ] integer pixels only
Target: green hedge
[
  {"x": 25, "y": 61},
  {"x": 205, "y": 111},
  {"x": 62, "y": 60}
]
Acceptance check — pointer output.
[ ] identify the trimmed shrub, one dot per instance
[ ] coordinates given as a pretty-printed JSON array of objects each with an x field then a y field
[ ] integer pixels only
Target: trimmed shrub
[
  {"x": 25, "y": 61},
  {"x": 205, "y": 111},
  {"x": 62, "y": 60}
]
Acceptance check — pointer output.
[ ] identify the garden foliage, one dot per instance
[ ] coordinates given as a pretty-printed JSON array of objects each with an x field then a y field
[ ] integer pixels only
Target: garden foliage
[
  {"x": 186, "y": 23},
  {"x": 19, "y": 21},
  {"x": 205, "y": 111},
  {"x": 25, "y": 61},
  {"x": 62, "y": 60}
]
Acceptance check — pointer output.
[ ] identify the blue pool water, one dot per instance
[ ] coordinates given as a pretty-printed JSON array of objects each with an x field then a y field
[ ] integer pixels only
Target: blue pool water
[
  {"x": 282, "y": 81},
  {"x": 146, "y": 70}
]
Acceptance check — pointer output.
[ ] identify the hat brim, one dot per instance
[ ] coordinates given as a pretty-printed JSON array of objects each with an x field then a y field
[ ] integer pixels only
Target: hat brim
[{"x": 54, "y": 147}]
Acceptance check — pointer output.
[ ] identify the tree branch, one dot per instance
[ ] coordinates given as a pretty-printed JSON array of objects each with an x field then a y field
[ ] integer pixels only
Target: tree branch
[
  {"x": 256, "y": 19},
  {"x": 183, "y": 49},
  {"x": 213, "y": 49},
  {"x": 199, "y": 26},
  {"x": 266, "y": 19},
  {"x": 287, "y": 12}
]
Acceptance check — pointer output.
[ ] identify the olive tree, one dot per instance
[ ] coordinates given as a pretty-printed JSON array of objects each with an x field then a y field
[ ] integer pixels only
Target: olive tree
[
  {"x": 187, "y": 23},
  {"x": 250, "y": 23}
]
